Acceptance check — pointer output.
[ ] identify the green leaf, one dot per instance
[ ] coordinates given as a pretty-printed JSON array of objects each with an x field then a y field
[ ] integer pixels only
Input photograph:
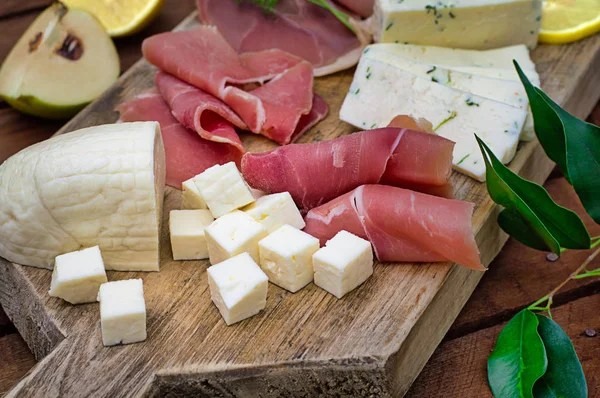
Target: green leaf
[
  {"x": 564, "y": 376},
  {"x": 571, "y": 143},
  {"x": 519, "y": 358},
  {"x": 530, "y": 214}
]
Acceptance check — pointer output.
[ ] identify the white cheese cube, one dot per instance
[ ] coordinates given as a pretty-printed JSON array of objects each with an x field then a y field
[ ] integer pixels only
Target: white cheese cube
[
  {"x": 77, "y": 276},
  {"x": 122, "y": 312},
  {"x": 233, "y": 234},
  {"x": 345, "y": 262},
  {"x": 380, "y": 91},
  {"x": 190, "y": 197},
  {"x": 471, "y": 24},
  {"x": 286, "y": 257},
  {"x": 238, "y": 287},
  {"x": 186, "y": 227},
  {"x": 275, "y": 210},
  {"x": 223, "y": 189}
]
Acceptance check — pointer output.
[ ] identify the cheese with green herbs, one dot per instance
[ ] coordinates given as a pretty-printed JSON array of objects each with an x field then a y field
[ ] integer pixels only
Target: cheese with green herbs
[
  {"x": 380, "y": 91},
  {"x": 509, "y": 91},
  {"x": 471, "y": 24}
]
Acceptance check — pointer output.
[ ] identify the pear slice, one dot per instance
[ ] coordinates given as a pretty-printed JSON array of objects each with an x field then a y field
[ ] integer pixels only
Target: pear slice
[{"x": 62, "y": 62}]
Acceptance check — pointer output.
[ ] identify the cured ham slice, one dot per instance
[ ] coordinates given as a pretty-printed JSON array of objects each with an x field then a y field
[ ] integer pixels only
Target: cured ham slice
[
  {"x": 402, "y": 225},
  {"x": 364, "y": 8},
  {"x": 197, "y": 110},
  {"x": 319, "y": 172},
  {"x": 187, "y": 154},
  {"x": 296, "y": 26},
  {"x": 202, "y": 58}
]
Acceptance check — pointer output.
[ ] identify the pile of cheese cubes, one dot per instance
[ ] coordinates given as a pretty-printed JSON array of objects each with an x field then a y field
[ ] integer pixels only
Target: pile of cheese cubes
[
  {"x": 255, "y": 239},
  {"x": 79, "y": 277}
]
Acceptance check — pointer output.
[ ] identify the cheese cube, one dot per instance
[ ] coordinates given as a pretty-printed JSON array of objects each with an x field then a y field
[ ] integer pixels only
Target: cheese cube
[
  {"x": 275, "y": 210},
  {"x": 380, "y": 91},
  {"x": 122, "y": 312},
  {"x": 190, "y": 197},
  {"x": 223, "y": 189},
  {"x": 286, "y": 257},
  {"x": 238, "y": 287},
  {"x": 77, "y": 276},
  {"x": 471, "y": 24},
  {"x": 343, "y": 263},
  {"x": 187, "y": 233},
  {"x": 233, "y": 234}
]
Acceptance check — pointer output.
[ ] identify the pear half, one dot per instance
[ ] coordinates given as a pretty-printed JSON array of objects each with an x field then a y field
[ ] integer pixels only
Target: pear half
[{"x": 62, "y": 62}]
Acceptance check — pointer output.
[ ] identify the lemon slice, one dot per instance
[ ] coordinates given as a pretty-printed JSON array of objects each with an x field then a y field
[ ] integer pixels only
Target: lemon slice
[
  {"x": 120, "y": 17},
  {"x": 564, "y": 21}
]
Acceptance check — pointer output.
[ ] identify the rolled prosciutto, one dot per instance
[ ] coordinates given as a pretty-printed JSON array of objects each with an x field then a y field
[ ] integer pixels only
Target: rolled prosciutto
[
  {"x": 402, "y": 225},
  {"x": 318, "y": 172}
]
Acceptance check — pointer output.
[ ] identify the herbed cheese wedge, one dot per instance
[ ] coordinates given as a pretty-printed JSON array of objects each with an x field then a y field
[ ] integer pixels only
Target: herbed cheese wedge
[
  {"x": 238, "y": 287},
  {"x": 188, "y": 240},
  {"x": 190, "y": 197},
  {"x": 223, "y": 189},
  {"x": 275, "y": 210},
  {"x": 286, "y": 257},
  {"x": 102, "y": 186},
  {"x": 122, "y": 312},
  {"x": 472, "y": 24},
  {"x": 390, "y": 91},
  {"x": 77, "y": 276}
]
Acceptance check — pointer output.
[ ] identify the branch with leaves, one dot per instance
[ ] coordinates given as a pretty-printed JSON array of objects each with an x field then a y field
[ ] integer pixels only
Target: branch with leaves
[{"x": 533, "y": 356}]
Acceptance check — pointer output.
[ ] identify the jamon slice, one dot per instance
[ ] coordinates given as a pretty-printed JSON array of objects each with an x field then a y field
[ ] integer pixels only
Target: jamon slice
[
  {"x": 402, "y": 225},
  {"x": 202, "y": 58},
  {"x": 197, "y": 110},
  {"x": 187, "y": 154},
  {"x": 296, "y": 26},
  {"x": 319, "y": 172}
]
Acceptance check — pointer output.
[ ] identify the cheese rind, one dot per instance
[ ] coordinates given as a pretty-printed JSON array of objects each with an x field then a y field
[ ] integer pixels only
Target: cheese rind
[
  {"x": 343, "y": 264},
  {"x": 190, "y": 197},
  {"x": 286, "y": 257},
  {"x": 77, "y": 276},
  {"x": 188, "y": 240},
  {"x": 122, "y": 312},
  {"x": 389, "y": 91},
  {"x": 275, "y": 210},
  {"x": 238, "y": 287},
  {"x": 223, "y": 189},
  {"x": 233, "y": 234},
  {"x": 469, "y": 24}
]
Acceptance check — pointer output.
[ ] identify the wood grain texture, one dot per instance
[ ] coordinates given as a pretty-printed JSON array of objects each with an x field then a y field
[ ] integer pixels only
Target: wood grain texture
[
  {"x": 458, "y": 368},
  {"x": 16, "y": 361},
  {"x": 373, "y": 342},
  {"x": 11, "y": 7}
]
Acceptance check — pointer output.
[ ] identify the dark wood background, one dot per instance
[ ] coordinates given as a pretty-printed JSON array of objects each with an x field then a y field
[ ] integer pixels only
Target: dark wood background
[{"x": 458, "y": 367}]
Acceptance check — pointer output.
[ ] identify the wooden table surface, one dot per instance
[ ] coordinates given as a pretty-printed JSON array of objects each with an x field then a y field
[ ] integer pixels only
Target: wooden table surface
[{"x": 517, "y": 277}]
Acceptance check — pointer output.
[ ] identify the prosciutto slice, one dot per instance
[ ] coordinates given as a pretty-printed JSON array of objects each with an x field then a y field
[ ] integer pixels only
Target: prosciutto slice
[
  {"x": 197, "y": 110},
  {"x": 296, "y": 26},
  {"x": 319, "y": 172},
  {"x": 202, "y": 58},
  {"x": 402, "y": 225},
  {"x": 187, "y": 154}
]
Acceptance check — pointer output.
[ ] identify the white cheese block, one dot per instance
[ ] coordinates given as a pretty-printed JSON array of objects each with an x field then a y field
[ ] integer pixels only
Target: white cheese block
[
  {"x": 190, "y": 197},
  {"x": 223, "y": 189},
  {"x": 343, "y": 264},
  {"x": 238, "y": 287},
  {"x": 122, "y": 312},
  {"x": 471, "y": 24},
  {"x": 102, "y": 186},
  {"x": 77, "y": 276},
  {"x": 233, "y": 234},
  {"x": 390, "y": 91},
  {"x": 286, "y": 257},
  {"x": 275, "y": 210},
  {"x": 186, "y": 228}
]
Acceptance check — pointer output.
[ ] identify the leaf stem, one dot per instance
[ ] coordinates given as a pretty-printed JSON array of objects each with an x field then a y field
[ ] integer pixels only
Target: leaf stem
[{"x": 343, "y": 17}]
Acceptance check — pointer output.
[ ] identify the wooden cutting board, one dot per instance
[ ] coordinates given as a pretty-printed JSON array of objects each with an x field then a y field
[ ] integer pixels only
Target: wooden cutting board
[{"x": 373, "y": 342}]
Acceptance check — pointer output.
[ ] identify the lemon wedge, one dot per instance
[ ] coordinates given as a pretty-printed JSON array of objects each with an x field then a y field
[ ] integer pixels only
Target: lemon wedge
[
  {"x": 565, "y": 21},
  {"x": 120, "y": 17}
]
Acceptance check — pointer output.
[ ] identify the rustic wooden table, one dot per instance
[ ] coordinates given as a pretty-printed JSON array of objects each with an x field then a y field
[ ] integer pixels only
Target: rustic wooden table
[{"x": 458, "y": 367}]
